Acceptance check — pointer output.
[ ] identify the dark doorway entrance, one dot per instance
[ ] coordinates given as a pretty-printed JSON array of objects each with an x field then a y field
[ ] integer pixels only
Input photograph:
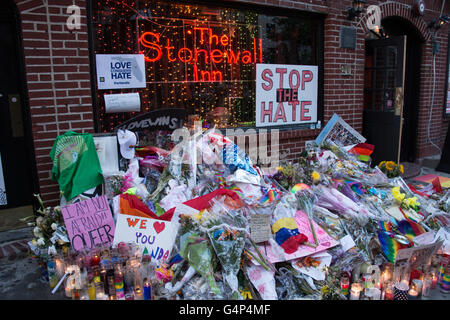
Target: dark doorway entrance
[
  {"x": 383, "y": 84},
  {"x": 395, "y": 26},
  {"x": 16, "y": 176},
  {"x": 375, "y": 122}
]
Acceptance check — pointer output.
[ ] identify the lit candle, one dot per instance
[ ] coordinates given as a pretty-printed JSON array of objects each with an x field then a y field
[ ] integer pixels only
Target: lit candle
[
  {"x": 139, "y": 294},
  {"x": 355, "y": 291},
  {"x": 389, "y": 291},
  {"x": 417, "y": 285},
  {"x": 147, "y": 290},
  {"x": 345, "y": 284},
  {"x": 413, "y": 294},
  {"x": 373, "y": 293},
  {"x": 435, "y": 279}
]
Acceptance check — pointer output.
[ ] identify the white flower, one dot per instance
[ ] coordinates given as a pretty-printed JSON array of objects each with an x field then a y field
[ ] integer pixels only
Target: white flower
[
  {"x": 40, "y": 242},
  {"x": 39, "y": 221},
  {"x": 54, "y": 226},
  {"x": 37, "y": 232},
  {"x": 51, "y": 250}
]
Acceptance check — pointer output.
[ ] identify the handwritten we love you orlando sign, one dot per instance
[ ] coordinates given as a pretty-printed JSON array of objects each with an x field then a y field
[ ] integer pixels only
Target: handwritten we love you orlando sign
[{"x": 137, "y": 224}]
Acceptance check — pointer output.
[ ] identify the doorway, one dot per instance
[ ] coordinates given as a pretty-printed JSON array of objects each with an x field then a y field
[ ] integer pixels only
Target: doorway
[
  {"x": 380, "y": 93},
  {"x": 17, "y": 182}
]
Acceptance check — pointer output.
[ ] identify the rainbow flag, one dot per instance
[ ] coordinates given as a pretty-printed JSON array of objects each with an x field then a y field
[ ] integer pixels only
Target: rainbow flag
[
  {"x": 385, "y": 226},
  {"x": 410, "y": 228},
  {"x": 389, "y": 245}
]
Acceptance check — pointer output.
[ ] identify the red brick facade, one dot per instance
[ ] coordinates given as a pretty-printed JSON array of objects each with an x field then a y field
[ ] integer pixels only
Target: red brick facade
[{"x": 59, "y": 89}]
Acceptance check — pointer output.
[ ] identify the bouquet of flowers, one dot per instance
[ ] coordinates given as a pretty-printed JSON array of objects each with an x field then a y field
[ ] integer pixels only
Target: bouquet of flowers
[
  {"x": 49, "y": 231},
  {"x": 391, "y": 169}
]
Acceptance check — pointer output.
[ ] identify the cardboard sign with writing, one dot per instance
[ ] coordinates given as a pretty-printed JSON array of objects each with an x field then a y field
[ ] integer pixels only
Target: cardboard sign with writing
[
  {"x": 286, "y": 94},
  {"x": 137, "y": 224},
  {"x": 325, "y": 241},
  {"x": 417, "y": 256},
  {"x": 89, "y": 223},
  {"x": 260, "y": 230}
]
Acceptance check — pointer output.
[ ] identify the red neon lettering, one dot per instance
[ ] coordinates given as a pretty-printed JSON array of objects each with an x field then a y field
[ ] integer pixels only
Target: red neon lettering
[
  {"x": 280, "y": 114},
  {"x": 218, "y": 56},
  {"x": 218, "y": 74},
  {"x": 294, "y": 72},
  {"x": 294, "y": 104},
  {"x": 181, "y": 57},
  {"x": 281, "y": 71},
  {"x": 211, "y": 36},
  {"x": 224, "y": 40},
  {"x": 307, "y": 76},
  {"x": 232, "y": 58},
  {"x": 202, "y": 40},
  {"x": 264, "y": 76},
  {"x": 246, "y": 57},
  {"x": 266, "y": 112},
  {"x": 197, "y": 51},
  {"x": 169, "y": 48},
  {"x": 304, "y": 110},
  {"x": 151, "y": 45}
]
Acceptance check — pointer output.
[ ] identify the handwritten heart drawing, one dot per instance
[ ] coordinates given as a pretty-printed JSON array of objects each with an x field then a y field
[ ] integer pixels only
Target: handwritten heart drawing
[
  {"x": 255, "y": 274},
  {"x": 159, "y": 226}
]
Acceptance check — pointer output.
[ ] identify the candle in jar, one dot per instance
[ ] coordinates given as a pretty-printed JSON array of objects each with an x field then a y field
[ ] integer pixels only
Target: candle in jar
[
  {"x": 355, "y": 291},
  {"x": 389, "y": 291},
  {"x": 413, "y": 294},
  {"x": 139, "y": 294},
  {"x": 345, "y": 284},
  {"x": 435, "y": 279}
]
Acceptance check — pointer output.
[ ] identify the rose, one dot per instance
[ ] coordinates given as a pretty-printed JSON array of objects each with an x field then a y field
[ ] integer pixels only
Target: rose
[
  {"x": 54, "y": 226},
  {"x": 40, "y": 242}
]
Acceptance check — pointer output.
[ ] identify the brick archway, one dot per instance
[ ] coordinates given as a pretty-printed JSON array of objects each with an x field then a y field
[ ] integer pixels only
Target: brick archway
[{"x": 395, "y": 9}]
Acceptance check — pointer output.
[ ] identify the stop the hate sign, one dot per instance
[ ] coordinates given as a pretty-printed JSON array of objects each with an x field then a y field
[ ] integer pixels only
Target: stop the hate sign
[{"x": 286, "y": 94}]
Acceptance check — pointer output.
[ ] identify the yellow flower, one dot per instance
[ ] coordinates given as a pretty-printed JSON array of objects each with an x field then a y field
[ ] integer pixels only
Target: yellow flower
[
  {"x": 398, "y": 195},
  {"x": 390, "y": 165},
  {"x": 381, "y": 163},
  {"x": 199, "y": 215},
  {"x": 316, "y": 176},
  {"x": 280, "y": 168},
  {"x": 402, "y": 169},
  {"x": 412, "y": 202}
]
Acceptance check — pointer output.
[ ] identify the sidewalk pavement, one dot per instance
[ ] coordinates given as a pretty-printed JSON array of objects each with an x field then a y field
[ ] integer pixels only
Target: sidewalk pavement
[{"x": 13, "y": 243}]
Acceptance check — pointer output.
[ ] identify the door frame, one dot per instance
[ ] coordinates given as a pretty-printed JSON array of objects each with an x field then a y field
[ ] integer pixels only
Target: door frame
[{"x": 26, "y": 111}]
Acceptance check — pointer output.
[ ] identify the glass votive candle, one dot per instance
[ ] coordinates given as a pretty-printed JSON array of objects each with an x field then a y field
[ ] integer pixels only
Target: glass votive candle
[
  {"x": 345, "y": 285},
  {"x": 401, "y": 291},
  {"x": 435, "y": 275},
  {"x": 413, "y": 294},
  {"x": 417, "y": 285},
  {"x": 373, "y": 293},
  {"x": 388, "y": 291},
  {"x": 355, "y": 291},
  {"x": 427, "y": 285}
]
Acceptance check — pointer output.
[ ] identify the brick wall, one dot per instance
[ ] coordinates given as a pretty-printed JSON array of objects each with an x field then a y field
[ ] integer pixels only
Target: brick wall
[
  {"x": 58, "y": 79},
  {"x": 58, "y": 74}
]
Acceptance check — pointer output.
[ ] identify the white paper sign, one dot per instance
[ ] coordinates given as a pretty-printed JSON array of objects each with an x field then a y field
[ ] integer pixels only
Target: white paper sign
[
  {"x": 122, "y": 102},
  {"x": 157, "y": 236},
  {"x": 3, "y": 200},
  {"x": 286, "y": 94},
  {"x": 120, "y": 71}
]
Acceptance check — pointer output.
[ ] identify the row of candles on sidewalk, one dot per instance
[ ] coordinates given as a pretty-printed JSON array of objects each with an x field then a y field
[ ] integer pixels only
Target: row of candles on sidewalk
[
  {"x": 399, "y": 283},
  {"x": 107, "y": 274}
]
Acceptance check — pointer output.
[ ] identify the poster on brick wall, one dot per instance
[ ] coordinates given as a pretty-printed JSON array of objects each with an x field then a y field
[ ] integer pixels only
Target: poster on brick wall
[
  {"x": 120, "y": 71},
  {"x": 3, "y": 201},
  {"x": 286, "y": 94}
]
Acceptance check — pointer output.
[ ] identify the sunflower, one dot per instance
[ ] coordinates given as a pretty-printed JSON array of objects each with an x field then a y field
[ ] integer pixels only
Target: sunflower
[{"x": 390, "y": 165}]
